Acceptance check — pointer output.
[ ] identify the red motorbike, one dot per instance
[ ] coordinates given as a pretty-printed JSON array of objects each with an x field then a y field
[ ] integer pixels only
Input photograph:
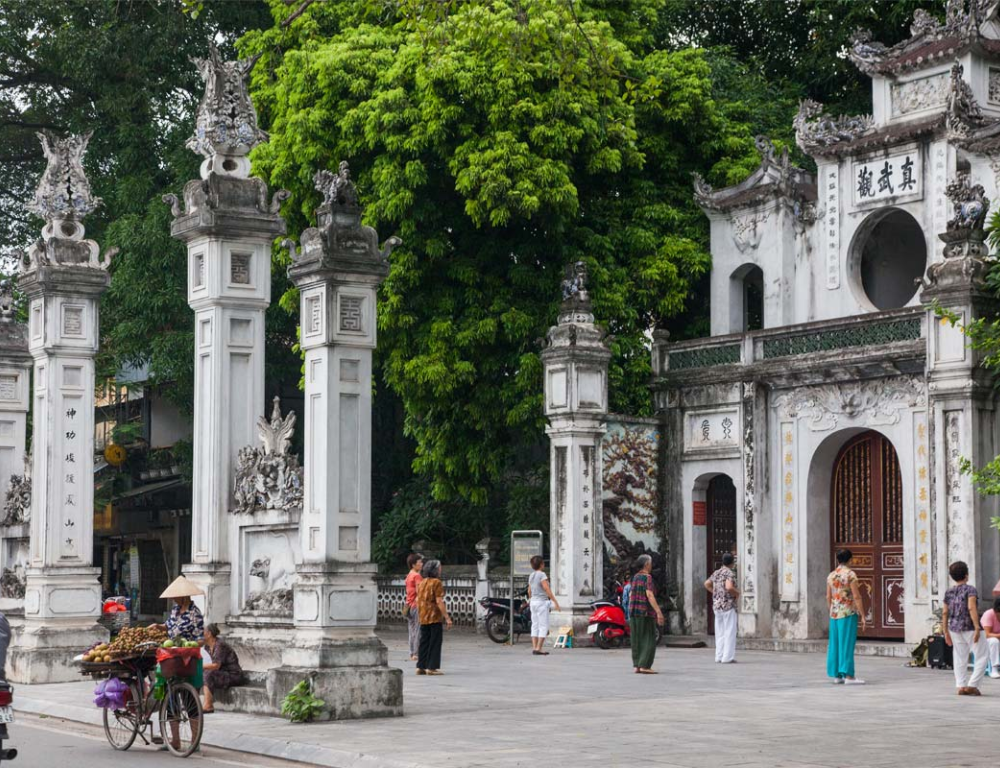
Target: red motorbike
[{"x": 608, "y": 626}]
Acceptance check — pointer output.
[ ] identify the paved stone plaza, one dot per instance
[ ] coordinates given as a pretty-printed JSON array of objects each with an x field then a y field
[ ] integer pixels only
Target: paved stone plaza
[{"x": 501, "y": 707}]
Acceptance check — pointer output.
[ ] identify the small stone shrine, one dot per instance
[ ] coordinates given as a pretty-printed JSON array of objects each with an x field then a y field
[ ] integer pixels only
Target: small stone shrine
[
  {"x": 62, "y": 277},
  {"x": 832, "y": 404}
]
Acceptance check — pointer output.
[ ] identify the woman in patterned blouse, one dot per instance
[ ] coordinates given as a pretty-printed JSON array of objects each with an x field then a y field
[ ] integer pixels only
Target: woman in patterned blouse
[
  {"x": 185, "y": 621},
  {"x": 843, "y": 596}
]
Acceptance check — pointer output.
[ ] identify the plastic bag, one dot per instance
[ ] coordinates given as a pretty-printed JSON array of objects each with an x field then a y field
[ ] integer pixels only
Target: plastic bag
[{"x": 111, "y": 694}]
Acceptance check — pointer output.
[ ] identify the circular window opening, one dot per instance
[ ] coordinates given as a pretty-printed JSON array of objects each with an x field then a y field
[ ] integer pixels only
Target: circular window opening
[{"x": 891, "y": 255}]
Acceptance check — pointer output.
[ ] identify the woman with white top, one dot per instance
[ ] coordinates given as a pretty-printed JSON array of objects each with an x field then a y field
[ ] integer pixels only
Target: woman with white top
[{"x": 539, "y": 597}]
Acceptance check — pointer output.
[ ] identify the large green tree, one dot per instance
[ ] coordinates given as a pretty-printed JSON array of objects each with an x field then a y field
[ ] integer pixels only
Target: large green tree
[{"x": 501, "y": 141}]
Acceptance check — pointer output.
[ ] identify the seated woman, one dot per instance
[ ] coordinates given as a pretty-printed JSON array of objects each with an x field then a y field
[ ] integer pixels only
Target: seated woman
[{"x": 224, "y": 671}]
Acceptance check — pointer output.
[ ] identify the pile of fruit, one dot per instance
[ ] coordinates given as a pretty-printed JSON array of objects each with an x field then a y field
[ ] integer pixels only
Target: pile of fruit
[
  {"x": 130, "y": 641},
  {"x": 181, "y": 643}
]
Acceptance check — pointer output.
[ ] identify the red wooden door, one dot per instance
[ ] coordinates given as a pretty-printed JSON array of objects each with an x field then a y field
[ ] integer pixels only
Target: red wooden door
[
  {"x": 721, "y": 528},
  {"x": 867, "y": 518}
]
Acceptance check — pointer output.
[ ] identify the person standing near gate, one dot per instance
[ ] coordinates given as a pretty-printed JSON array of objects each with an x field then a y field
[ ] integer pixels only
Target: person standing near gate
[
  {"x": 433, "y": 618},
  {"x": 960, "y": 618},
  {"x": 643, "y": 611},
  {"x": 843, "y": 596},
  {"x": 722, "y": 585},
  {"x": 415, "y": 562},
  {"x": 540, "y": 599}
]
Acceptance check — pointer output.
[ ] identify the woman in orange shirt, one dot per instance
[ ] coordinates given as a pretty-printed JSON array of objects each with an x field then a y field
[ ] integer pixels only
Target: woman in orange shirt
[{"x": 415, "y": 562}]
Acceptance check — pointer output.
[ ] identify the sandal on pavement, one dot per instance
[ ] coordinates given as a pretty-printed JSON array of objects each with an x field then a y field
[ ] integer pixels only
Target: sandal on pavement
[
  {"x": 648, "y": 672},
  {"x": 208, "y": 711},
  {"x": 434, "y": 672}
]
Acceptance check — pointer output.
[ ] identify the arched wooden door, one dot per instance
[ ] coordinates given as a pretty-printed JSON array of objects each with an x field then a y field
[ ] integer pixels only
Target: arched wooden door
[
  {"x": 867, "y": 518},
  {"x": 721, "y": 524}
]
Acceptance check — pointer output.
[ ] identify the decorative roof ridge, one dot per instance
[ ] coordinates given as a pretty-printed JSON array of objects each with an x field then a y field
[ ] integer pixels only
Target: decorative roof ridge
[
  {"x": 963, "y": 28},
  {"x": 774, "y": 176}
]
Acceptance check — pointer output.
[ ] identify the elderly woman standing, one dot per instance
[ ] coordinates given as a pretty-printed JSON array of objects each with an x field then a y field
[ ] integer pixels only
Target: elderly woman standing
[
  {"x": 223, "y": 671},
  {"x": 433, "y": 616},
  {"x": 643, "y": 610},
  {"x": 185, "y": 621}
]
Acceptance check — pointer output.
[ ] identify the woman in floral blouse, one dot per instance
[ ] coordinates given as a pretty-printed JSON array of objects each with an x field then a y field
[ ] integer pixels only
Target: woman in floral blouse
[
  {"x": 185, "y": 621},
  {"x": 843, "y": 596}
]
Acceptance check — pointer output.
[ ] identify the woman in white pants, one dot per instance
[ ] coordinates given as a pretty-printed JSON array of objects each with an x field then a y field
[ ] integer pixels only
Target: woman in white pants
[
  {"x": 960, "y": 617},
  {"x": 722, "y": 585},
  {"x": 539, "y": 597}
]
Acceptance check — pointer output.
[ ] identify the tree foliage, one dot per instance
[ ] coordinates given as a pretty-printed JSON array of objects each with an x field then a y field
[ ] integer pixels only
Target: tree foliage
[{"x": 501, "y": 141}]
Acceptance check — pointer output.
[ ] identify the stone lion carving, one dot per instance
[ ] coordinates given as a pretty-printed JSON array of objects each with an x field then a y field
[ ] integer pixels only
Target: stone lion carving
[
  {"x": 268, "y": 476},
  {"x": 273, "y": 598}
]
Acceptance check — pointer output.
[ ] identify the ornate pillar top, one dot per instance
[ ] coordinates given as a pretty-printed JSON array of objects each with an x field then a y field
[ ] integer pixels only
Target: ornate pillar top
[
  {"x": 339, "y": 241},
  {"x": 575, "y": 332},
  {"x": 226, "y": 122},
  {"x": 966, "y": 253},
  {"x": 63, "y": 199}
]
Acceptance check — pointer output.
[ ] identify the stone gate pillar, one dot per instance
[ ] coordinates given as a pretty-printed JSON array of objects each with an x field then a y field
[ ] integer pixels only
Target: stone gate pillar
[
  {"x": 338, "y": 272},
  {"x": 228, "y": 227},
  {"x": 576, "y": 403},
  {"x": 63, "y": 279},
  {"x": 15, "y": 474},
  {"x": 953, "y": 519}
]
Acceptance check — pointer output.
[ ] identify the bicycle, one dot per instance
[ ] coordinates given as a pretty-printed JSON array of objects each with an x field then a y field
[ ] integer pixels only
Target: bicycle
[{"x": 179, "y": 713}]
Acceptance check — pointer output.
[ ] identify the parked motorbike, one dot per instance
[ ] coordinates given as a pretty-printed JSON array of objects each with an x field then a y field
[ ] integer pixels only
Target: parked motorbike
[
  {"x": 607, "y": 624},
  {"x": 498, "y": 617},
  {"x": 6, "y": 716}
]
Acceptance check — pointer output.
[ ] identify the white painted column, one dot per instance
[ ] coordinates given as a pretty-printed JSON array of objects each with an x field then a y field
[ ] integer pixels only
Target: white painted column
[
  {"x": 576, "y": 403},
  {"x": 15, "y": 381},
  {"x": 63, "y": 280},
  {"x": 228, "y": 227},
  {"x": 335, "y": 602},
  {"x": 961, "y": 418}
]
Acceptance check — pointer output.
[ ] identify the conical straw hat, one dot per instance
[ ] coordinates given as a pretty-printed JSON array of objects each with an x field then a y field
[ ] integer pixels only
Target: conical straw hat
[{"x": 182, "y": 587}]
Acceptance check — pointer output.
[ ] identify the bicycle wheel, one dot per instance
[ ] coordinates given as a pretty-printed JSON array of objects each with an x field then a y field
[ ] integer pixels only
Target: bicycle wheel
[
  {"x": 181, "y": 719},
  {"x": 121, "y": 726}
]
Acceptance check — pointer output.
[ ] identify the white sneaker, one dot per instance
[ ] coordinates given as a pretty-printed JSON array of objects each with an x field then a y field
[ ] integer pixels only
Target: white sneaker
[
  {"x": 995, "y": 674},
  {"x": 854, "y": 681}
]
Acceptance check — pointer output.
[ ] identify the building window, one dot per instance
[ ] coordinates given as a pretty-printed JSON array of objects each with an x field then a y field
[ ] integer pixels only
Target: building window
[
  {"x": 753, "y": 300},
  {"x": 888, "y": 256},
  {"x": 746, "y": 305}
]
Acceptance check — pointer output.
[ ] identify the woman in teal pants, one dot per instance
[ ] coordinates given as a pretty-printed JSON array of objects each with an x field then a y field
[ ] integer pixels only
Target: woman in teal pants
[{"x": 843, "y": 596}]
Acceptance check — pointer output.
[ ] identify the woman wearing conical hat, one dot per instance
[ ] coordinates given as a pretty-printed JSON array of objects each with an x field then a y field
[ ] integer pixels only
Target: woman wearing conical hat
[{"x": 185, "y": 621}]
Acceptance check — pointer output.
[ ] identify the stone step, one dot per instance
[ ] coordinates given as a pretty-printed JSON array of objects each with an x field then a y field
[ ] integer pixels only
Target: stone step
[{"x": 250, "y": 699}]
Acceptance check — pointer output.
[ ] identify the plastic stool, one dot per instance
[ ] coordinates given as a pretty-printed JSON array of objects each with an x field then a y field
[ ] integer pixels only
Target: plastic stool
[{"x": 564, "y": 639}]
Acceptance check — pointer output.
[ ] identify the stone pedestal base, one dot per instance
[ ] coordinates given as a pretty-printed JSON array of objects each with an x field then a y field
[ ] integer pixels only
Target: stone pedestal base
[
  {"x": 214, "y": 579},
  {"x": 259, "y": 641},
  {"x": 43, "y": 652},
  {"x": 578, "y": 617},
  {"x": 349, "y": 675}
]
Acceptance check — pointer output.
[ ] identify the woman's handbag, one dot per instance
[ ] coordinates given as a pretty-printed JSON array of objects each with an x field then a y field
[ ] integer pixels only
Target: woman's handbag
[{"x": 406, "y": 610}]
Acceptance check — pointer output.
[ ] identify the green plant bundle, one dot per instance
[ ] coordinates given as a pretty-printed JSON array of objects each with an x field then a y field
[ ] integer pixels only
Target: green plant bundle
[{"x": 300, "y": 705}]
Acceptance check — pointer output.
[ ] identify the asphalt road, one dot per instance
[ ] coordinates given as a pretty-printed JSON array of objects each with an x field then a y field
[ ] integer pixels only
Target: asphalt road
[{"x": 53, "y": 743}]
